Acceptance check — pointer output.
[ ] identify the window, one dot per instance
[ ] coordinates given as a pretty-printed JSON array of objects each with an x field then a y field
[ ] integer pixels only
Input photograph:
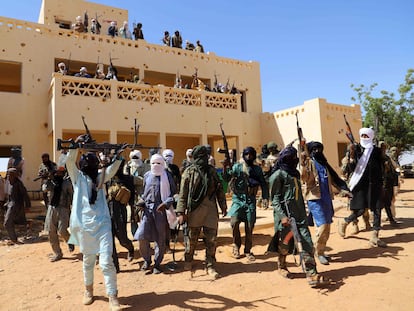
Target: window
[{"x": 10, "y": 76}]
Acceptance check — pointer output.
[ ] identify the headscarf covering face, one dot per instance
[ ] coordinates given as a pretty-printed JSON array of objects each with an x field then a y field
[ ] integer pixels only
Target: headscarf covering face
[
  {"x": 200, "y": 156},
  {"x": 89, "y": 165},
  {"x": 168, "y": 156},
  {"x": 366, "y": 143},
  {"x": 315, "y": 149},
  {"x": 249, "y": 160},
  {"x": 288, "y": 161},
  {"x": 135, "y": 157},
  {"x": 157, "y": 164}
]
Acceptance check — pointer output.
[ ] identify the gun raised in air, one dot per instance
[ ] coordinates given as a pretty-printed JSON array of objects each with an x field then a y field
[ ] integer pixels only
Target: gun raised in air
[
  {"x": 227, "y": 159},
  {"x": 348, "y": 132},
  {"x": 88, "y": 143}
]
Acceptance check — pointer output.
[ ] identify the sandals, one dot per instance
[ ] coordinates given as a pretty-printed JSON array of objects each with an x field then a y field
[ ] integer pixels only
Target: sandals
[
  {"x": 285, "y": 273},
  {"x": 318, "y": 280}
]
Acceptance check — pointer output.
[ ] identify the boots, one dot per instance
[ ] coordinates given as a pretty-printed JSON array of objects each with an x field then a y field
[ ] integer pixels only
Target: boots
[
  {"x": 114, "y": 303},
  {"x": 282, "y": 267},
  {"x": 375, "y": 241},
  {"x": 342, "y": 227},
  {"x": 88, "y": 295}
]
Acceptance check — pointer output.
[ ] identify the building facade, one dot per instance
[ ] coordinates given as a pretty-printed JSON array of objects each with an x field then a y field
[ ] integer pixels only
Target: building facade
[{"x": 41, "y": 106}]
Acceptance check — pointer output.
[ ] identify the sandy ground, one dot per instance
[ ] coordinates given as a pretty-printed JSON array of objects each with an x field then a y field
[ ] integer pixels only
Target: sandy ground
[{"x": 364, "y": 278}]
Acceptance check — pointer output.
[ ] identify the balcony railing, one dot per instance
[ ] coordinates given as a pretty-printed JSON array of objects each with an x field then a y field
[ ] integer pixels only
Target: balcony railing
[{"x": 110, "y": 89}]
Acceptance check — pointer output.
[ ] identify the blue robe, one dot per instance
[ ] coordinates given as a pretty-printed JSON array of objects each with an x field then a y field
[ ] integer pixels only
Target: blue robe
[{"x": 322, "y": 209}]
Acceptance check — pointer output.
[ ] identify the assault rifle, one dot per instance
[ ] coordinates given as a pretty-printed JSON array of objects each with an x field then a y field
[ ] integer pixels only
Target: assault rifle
[
  {"x": 88, "y": 136},
  {"x": 112, "y": 69},
  {"x": 98, "y": 25},
  {"x": 194, "y": 84},
  {"x": 302, "y": 140},
  {"x": 348, "y": 132},
  {"x": 227, "y": 159},
  {"x": 89, "y": 143},
  {"x": 68, "y": 66},
  {"x": 294, "y": 232},
  {"x": 86, "y": 20}
]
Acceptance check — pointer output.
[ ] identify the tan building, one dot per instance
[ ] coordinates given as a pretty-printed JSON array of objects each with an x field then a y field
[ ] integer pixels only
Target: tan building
[{"x": 41, "y": 106}]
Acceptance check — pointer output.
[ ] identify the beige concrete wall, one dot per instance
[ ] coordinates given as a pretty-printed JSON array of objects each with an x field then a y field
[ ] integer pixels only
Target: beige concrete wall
[
  {"x": 45, "y": 115},
  {"x": 42, "y": 112},
  {"x": 320, "y": 121}
]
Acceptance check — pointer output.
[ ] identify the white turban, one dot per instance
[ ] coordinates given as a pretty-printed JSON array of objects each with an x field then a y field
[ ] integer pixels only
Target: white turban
[
  {"x": 135, "y": 153},
  {"x": 367, "y": 142},
  {"x": 168, "y": 156},
  {"x": 157, "y": 164}
]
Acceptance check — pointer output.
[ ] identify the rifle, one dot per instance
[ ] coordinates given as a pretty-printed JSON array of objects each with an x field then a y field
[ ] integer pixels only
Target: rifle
[
  {"x": 348, "y": 132},
  {"x": 86, "y": 21},
  {"x": 68, "y": 66},
  {"x": 88, "y": 135},
  {"x": 294, "y": 232},
  {"x": 302, "y": 140},
  {"x": 91, "y": 144},
  {"x": 194, "y": 84},
  {"x": 112, "y": 68},
  {"x": 136, "y": 132},
  {"x": 225, "y": 150},
  {"x": 178, "y": 81},
  {"x": 97, "y": 68},
  {"x": 227, "y": 87},
  {"x": 98, "y": 25},
  {"x": 216, "y": 86}
]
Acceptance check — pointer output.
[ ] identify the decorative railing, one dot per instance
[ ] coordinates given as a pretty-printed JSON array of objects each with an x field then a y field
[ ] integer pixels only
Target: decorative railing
[
  {"x": 83, "y": 88},
  {"x": 111, "y": 89},
  {"x": 138, "y": 93},
  {"x": 182, "y": 97},
  {"x": 224, "y": 101}
]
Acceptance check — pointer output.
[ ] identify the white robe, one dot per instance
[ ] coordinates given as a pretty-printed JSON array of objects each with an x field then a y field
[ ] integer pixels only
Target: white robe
[{"x": 90, "y": 225}]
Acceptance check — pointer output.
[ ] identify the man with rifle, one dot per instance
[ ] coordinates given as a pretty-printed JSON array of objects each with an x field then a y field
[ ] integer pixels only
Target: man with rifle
[
  {"x": 245, "y": 178},
  {"x": 200, "y": 192},
  {"x": 319, "y": 178},
  {"x": 96, "y": 26},
  {"x": 90, "y": 221},
  {"x": 290, "y": 217},
  {"x": 366, "y": 184}
]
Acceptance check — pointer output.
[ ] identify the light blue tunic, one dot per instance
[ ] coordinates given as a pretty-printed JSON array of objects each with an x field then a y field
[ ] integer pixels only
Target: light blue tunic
[{"x": 90, "y": 225}]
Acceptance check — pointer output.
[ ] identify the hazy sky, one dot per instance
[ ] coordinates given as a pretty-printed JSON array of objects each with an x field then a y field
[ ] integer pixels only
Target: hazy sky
[{"x": 306, "y": 49}]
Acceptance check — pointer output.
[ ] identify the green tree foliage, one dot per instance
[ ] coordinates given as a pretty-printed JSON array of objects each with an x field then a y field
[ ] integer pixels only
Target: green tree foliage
[{"x": 390, "y": 115}]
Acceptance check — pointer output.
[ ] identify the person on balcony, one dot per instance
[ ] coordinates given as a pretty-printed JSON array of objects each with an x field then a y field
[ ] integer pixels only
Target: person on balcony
[
  {"x": 138, "y": 34},
  {"x": 166, "y": 40},
  {"x": 124, "y": 31},
  {"x": 78, "y": 26},
  {"x": 199, "y": 48},
  {"x": 83, "y": 73},
  {"x": 112, "y": 30},
  {"x": 62, "y": 68},
  {"x": 177, "y": 40}
]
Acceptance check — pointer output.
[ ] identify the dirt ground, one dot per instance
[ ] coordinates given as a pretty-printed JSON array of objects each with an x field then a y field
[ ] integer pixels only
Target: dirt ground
[{"x": 364, "y": 278}]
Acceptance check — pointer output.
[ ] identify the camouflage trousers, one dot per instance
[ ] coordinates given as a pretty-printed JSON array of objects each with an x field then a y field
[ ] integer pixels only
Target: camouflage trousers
[{"x": 210, "y": 240}]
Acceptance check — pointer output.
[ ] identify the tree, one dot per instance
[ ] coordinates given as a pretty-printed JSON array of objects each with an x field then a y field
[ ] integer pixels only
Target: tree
[{"x": 391, "y": 117}]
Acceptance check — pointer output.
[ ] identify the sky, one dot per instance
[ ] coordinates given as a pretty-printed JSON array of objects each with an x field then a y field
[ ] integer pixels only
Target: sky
[{"x": 306, "y": 49}]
